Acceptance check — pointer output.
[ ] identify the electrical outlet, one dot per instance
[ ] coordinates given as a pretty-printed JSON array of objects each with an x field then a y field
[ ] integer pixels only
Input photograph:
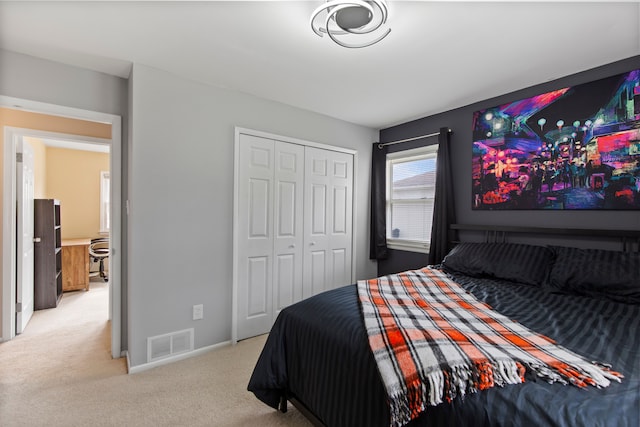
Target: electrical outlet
[{"x": 198, "y": 312}]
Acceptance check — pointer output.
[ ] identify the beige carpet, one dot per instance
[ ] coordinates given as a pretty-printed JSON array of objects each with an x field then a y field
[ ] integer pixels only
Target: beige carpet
[{"x": 59, "y": 372}]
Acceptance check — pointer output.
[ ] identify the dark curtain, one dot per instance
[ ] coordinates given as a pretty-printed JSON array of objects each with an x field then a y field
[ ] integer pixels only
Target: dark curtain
[
  {"x": 378, "y": 235},
  {"x": 443, "y": 208}
]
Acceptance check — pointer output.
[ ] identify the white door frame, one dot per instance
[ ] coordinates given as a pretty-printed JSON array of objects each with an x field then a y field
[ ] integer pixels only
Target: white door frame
[
  {"x": 24, "y": 264},
  {"x": 11, "y": 134},
  {"x": 236, "y": 209}
]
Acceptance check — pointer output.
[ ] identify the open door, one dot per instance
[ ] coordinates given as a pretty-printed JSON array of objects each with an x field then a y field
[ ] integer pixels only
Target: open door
[{"x": 24, "y": 250}]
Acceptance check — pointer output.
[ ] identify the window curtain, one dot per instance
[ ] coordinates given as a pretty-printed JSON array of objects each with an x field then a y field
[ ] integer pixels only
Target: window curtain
[
  {"x": 378, "y": 235},
  {"x": 443, "y": 204}
]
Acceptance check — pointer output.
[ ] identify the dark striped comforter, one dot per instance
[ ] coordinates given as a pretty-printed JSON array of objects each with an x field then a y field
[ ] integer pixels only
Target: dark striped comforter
[{"x": 318, "y": 352}]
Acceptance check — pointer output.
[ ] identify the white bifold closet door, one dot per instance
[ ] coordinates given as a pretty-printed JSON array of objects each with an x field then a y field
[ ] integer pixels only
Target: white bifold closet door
[
  {"x": 328, "y": 220},
  {"x": 294, "y": 233}
]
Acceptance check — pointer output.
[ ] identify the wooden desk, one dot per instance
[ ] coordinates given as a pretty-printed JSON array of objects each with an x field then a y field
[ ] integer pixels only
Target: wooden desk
[{"x": 75, "y": 264}]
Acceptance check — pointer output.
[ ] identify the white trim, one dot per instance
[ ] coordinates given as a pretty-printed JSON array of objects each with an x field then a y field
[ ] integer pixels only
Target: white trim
[
  {"x": 104, "y": 176},
  {"x": 71, "y": 145},
  {"x": 9, "y": 236},
  {"x": 234, "y": 249},
  {"x": 267, "y": 135},
  {"x": 354, "y": 199},
  {"x": 115, "y": 236},
  {"x": 8, "y": 251},
  {"x": 55, "y": 109},
  {"x": 67, "y": 137},
  {"x": 236, "y": 171},
  {"x": 33, "y": 133},
  {"x": 408, "y": 245},
  {"x": 415, "y": 154},
  {"x": 197, "y": 352}
]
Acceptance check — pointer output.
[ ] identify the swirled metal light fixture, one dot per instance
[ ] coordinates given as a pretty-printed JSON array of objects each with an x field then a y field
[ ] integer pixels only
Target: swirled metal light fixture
[{"x": 344, "y": 20}]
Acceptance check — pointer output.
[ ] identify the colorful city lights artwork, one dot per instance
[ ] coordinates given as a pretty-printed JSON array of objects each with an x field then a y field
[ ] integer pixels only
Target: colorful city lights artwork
[{"x": 573, "y": 148}]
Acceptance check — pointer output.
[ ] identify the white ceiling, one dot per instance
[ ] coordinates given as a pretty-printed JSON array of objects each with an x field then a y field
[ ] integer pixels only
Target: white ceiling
[{"x": 440, "y": 55}]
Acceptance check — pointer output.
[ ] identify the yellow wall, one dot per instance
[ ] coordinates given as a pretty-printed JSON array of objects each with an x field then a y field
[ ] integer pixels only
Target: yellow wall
[
  {"x": 46, "y": 122},
  {"x": 49, "y": 123},
  {"x": 73, "y": 177},
  {"x": 39, "y": 167}
]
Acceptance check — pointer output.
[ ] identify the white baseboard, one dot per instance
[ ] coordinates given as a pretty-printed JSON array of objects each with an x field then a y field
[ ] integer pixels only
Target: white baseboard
[{"x": 171, "y": 359}]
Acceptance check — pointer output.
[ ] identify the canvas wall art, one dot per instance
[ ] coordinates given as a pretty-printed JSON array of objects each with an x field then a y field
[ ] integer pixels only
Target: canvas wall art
[{"x": 573, "y": 148}]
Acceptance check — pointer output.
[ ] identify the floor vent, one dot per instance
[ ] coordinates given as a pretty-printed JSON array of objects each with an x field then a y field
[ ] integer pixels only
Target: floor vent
[{"x": 167, "y": 345}]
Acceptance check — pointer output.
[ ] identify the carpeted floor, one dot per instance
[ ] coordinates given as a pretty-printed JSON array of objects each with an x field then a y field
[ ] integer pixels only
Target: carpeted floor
[{"x": 59, "y": 372}]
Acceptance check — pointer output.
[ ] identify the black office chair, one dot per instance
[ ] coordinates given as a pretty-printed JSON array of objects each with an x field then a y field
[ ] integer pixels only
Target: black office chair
[{"x": 99, "y": 251}]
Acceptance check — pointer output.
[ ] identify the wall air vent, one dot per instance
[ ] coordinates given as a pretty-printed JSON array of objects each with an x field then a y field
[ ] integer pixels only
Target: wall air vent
[{"x": 167, "y": 345}]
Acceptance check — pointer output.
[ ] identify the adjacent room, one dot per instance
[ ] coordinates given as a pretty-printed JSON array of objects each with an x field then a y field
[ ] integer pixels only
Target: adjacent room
[{"x": 329, "y": 213}]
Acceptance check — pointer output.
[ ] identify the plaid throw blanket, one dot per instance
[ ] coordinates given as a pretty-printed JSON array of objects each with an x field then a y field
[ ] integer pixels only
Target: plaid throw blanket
[{"x": 433, "y": 341}]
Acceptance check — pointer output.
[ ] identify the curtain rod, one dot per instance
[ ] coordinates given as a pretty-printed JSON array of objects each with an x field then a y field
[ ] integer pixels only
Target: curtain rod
[{"x": 429, "y": 135}]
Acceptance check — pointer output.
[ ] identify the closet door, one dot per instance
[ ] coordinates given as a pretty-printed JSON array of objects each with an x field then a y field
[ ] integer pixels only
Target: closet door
[
  {"x": 294, "y": 227},
  {"x": 255, "y": 236},
  {"x": 327, "y": 220},
  {"x": 288, "y": 229},
  {"x": 270, "y": 231}
]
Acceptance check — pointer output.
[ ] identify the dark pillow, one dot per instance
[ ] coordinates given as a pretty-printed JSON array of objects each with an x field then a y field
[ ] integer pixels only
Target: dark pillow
[
  {"x": 597, "y": 272},
  {"x": 522, "y": 263}
]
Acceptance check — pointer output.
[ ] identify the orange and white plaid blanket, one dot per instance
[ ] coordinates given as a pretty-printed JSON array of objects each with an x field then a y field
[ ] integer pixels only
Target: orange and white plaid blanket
[{"x": 433, "y": 341}]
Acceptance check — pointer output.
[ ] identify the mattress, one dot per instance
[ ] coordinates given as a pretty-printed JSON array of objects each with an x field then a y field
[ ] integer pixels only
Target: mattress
[{"x": 318, "y": 353}]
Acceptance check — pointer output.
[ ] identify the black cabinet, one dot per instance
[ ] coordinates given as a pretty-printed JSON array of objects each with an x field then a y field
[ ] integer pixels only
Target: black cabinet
[{"x": 47, "y": 254}]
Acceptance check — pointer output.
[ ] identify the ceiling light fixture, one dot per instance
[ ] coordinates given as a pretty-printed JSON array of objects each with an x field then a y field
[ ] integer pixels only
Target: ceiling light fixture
[{"x": 352, "y": 20}]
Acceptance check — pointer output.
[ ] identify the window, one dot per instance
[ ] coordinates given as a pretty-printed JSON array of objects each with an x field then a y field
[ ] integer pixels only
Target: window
[
  {"x": 411, "y": 179},
  {"x": 105, "y": 198}
]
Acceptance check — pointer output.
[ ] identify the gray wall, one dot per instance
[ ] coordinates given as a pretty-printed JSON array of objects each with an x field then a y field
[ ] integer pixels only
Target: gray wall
[
  {"x": 181, "y": 193},
  {"x": 27, "y": 77},
  {"x": 460, "y": 121}
]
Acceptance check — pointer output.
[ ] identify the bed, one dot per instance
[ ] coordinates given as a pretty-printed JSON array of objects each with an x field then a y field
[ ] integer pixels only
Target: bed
[{"x": 317, "y": 355}]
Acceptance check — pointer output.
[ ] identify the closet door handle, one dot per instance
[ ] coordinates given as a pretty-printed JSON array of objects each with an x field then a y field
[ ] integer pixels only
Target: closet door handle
[
  {"x": 292, "y": 246},
  {"x": 312, "y": 244},
  {"x": 37, "y": 240}
]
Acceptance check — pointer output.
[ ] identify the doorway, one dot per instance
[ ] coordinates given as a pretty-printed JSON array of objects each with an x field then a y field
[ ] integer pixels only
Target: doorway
[
  {"x": 11, "y": 136},
  {"x": 73, "y": 178}
]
